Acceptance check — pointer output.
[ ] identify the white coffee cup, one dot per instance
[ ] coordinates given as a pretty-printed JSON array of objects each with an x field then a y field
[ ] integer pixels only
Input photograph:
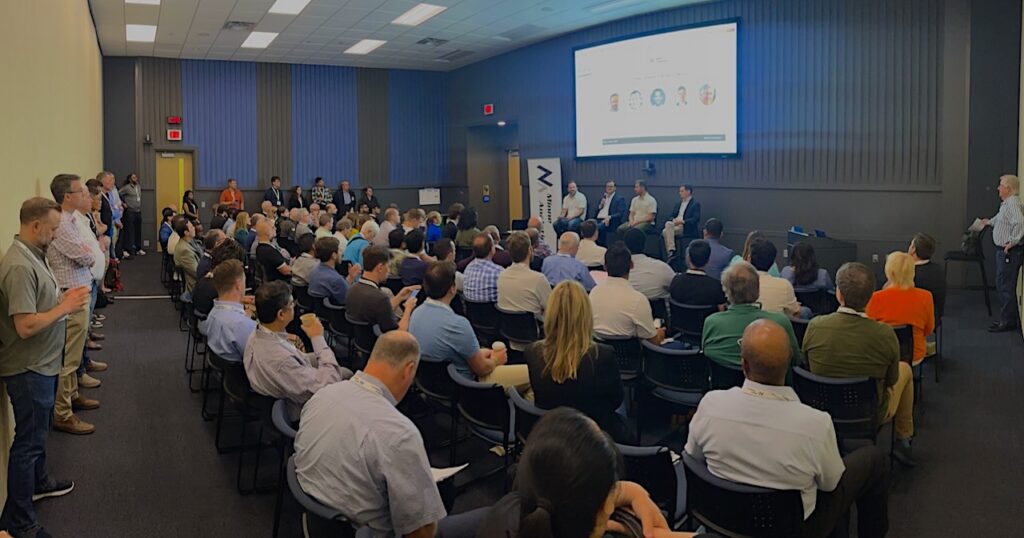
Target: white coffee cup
[{"x": 499, "y": 351}]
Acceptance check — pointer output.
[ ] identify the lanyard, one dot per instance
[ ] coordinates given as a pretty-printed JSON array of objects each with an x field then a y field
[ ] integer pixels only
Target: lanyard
[
  {"x": 766, "y": 394},
  {"x": 367, "y": 386},
  {"x": 45, "y": 265}
]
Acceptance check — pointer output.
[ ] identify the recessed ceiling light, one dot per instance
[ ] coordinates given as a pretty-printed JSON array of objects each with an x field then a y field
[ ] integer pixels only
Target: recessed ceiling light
[
  {"x": 501, "y": 123},
  {"x": 145, "y": 33},
  {"x": 418, "y": 15},
  {"x": 365, "y": 46},
  {"x": 613, "y": 5},
  {"x": 259, "y": 40},
  {"x": 288, "y": 7},
  {"x": 145, "y": 2}
]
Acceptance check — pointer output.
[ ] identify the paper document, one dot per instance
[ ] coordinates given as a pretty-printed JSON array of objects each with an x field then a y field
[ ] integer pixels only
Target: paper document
[
  {"x": 440, "y": 475},
  {"x": 976, "y": 226}
]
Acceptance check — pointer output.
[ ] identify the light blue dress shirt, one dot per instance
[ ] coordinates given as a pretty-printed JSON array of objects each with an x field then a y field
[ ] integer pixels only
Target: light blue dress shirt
[
  {"x": 326, "y": 281},
  {"x": 443, "y": 334},
  {"x": 227, "y": 329},
  {"x": 564, "y": 267}
]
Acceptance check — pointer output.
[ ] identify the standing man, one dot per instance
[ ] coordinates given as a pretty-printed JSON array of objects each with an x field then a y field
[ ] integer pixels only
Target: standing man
[
  {"x": 344, "y": 199},
  {"x": 1007, "y": 233},
  {"x": 32, "y": 328},
  {"x": 685, "y": 221},
  {"x": 71, "y": 259},
  {"x": 113, "y": 200},
  {"x": 273, "y": 194},
  {"x": 231, "y": 196},
  {"x": 321, "y": 193},
  {"x": 610, "y": 212},
  {"x": 574, "y": 210},
  {"x": 642, "y": 210},
  {"x": 131, "y": 193}
]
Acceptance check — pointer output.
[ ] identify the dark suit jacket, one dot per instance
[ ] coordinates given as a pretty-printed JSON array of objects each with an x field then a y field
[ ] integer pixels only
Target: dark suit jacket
[
  {"x": 931, "y": 277},
  {"x": 269, "y": 196},
  {"x": 617, "y": 213},
  {"x": 691, "y": 218},
  {"x": 298, "y": 201},
  {"x": 693, "y": 289},
  {"x": 339, "y": 201}
]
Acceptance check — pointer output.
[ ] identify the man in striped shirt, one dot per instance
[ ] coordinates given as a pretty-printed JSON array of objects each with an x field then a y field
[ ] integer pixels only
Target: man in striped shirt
[
  {"x": 481, "y": 281},
  {"x": 1007, "y": 234}
]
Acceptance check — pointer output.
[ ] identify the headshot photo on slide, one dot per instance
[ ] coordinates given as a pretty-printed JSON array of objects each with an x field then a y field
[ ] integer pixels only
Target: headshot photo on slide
[
  {"x": 658, "y": 97},
  {"x": 635, "y": 100},
  {"x": 613, "y": 102},
  {"x": 707, "y": 94},
  {"x": 681, "y": 96}
]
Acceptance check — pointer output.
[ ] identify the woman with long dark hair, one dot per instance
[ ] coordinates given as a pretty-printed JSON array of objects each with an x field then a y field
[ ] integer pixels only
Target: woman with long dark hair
[
  {"x": 467, "y": 228},
  {"x": 296, "y": 200},
  {"x": 189, "y": 208},
  {"x": 803, "y": 271}
]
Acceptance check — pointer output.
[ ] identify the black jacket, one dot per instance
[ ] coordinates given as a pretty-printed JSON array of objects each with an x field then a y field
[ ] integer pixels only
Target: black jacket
[{"x": 691, "y": 218}]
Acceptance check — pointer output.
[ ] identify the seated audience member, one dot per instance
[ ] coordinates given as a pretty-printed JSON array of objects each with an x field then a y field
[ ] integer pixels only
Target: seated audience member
[
  {"x": 927, "y": 275},
  {"x": 254, "y": 221},
  {"x": 501, "y": 256},
  {"x": 211, "y": 241},
  {"x": 369, "y": 462},
  {"x": 590, "y": 253},
  {"x": 205, "y": 292},
  {"x": 302, "y": 225},
  {"x": 172, "y": 241},
  {"x": 445, "y": 335},
  {"x": 695, "y": 287},
  {"x": 565, "y": 266},
  {"x": 306, "y": 262},
  {"x": 433, "y": 232},
  {"x": 387, "y": 225},
  {"x": 649, "y": 276},
  {"x": 521, "y": 289},
  {"x": 451, "y": 227},
  {"x": 228, "y": 326},
  {"x": 267, "y": 210},
  {"x": 467, "y": 228},
  {"x": 541, "y": 249},
  {"x": 620, "y": 310},
  {"x": 274, "y": 366},
  {"x": 481, "y": 284},
  {"x": 396, "y": 244},
  {"x": 776, "y": 293},
  {"x": 414, "y": 265},
  {"x": 723, "y": 329},
  {"x": 745, "y": 255},
  {"x": 444, "y": 251},
  {"x": 354, "y": 251},
  {"x": 900, "y": 303},
  {"x": 275, "y": 265},
  {"x": 413, "y": 220},
  {"x": 761, "y": 435},
  {"x": 568, "y": 369},
  {"x": 220, "y": 217},
  {"x": 849, "y": 344},
  {"x": 643, "y": 210},
  {"x": 803, "y": 271},
  {"x": 342, "y": 229},
  {"x": 567, "y": 484},
  {"x": 324, "y": 280},
  {"x": 229, "y": 226},
  {"x": 242, "y": 223},
  {"x": 366, "y": 302},
  {"x": 185, "y": 256},
  {"x": 166, "y": 229},
  {"x": 325, "y": 225},
  {"x": 721, "y": 255}
]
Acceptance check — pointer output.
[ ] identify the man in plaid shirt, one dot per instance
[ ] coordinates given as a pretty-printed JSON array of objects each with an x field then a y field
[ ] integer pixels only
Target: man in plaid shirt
[
  {"x": 481, "y": 275},
  {"x": 71, "y": 258}
]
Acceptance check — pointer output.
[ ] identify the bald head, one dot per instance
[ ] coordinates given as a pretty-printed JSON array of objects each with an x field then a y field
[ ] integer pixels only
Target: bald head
[
  {"x": 393, "y": 361},
  {"x": 569, "y": 243},
  {"x": 534, "y": 223},
  {"x": 264, "y": 229},
  {"x": 765, "y": 352}
]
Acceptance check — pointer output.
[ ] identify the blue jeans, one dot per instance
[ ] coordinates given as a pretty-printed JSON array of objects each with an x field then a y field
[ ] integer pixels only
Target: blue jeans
[
  {"x": 562, "y": 225},
  {"x": 32, "y": 398},
  {"x": 1007, "y": 267}
]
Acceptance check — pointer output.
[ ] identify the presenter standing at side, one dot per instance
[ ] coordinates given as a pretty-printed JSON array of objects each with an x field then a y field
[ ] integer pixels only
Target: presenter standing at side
[
  {"x": 685, "y": 221},
  {"x": 642, "y": 210},
  {"x": 574, "y": 210},
  {"x": 1007, "y": 233}
]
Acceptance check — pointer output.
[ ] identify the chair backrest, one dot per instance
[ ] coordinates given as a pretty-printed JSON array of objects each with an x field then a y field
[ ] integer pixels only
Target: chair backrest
[
  {"x": 320, "y": 308},
  {"x": 818, "y": 300},
  {"x": 799, "y": 329},
  {"x": 336, "y": 319},
  {"x": 689, "y": 319},
  {"x": 628, "y": 353},
  {"x": 301, "y": 294},
  {"x": 519, "y": 327},
  {"x": 482, "y": 315},
  {"x": 905, "y": 335},
  {"x": 483, "y": 405},
  {"x": 461, "y": 253},
  {"x": 363, "y": 334},
  {"x": 527, "y": 415},
  {"x": 681, "y": 370},
  {"x": 725, "y": 376},
  {"x": 432, "y": 380},
  {"x": 282, "y": 423},
  {"x": 651, "y": 467},
  {"x": 321, "y": 521},
  {"x": 733, "y": 509},
  {"x": 394, "y": 284},
  {"x": 236, "y": 383},
  {"x": 658, "y": 309},
  {"x": 851, "y": 402}
]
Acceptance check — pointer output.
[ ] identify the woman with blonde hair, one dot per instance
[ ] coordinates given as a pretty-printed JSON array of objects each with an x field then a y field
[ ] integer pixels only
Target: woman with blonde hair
[
  {"x": 433, "y": 223},
  {"x": 900, "y": 303},
  {"x": 745, "y": 255},
  {"x": 567, "y": 368},
  {"x": 242, "y": 228}
]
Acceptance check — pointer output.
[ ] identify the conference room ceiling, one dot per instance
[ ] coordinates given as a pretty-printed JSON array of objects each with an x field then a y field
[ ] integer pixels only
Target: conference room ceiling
[{"x": 467, "y": 31}]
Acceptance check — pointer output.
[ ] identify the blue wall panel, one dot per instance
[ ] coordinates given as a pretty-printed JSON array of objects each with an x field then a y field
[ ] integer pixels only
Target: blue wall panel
[
  {"x": 219, "y": 118},
  {"x": 325, "y": 134},
  {"x": 418, "y": 127}
]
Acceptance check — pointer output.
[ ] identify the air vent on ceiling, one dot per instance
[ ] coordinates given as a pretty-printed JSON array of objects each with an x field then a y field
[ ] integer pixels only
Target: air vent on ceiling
[
  {"x": 432, "y": 41},
  {"x": 453, "y": 56},
  {"x": 239, "y": 26},
  {"x": 520, "y": 32}
]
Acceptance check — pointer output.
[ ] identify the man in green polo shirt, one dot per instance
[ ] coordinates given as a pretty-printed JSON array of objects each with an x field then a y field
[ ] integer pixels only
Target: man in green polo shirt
[
  {"x": 848, "y": 344},
  {"x": 723, "y": 330},
  {"x": 32, "y": 328}
]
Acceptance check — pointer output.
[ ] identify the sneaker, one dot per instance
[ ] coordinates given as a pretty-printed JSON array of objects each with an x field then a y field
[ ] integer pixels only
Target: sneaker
[
  {"x": 140, "y": 253},
  {"x": 99, "y": 317},
  {"x": 96, "y": 325},
  {"x": 84, "y": 404},
  {"x": 95, "y": 366},
  {"x": 55, "y": 488},
  {"x": 93, "y": 346},
  {"x": 904, "y": 454},
  {"x": 97, "y": 336},
  {"x": 126, "y": 256},
  {"x": 87, "y": 381},
  {"x": 74, "y": 426}
]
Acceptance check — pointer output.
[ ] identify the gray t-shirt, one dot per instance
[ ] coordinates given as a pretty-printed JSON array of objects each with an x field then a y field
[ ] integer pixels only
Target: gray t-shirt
[{"x": 28, "y": 287}]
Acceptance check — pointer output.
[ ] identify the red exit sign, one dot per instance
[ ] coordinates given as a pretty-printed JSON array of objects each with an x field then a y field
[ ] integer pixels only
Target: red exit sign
[
  {"x": 174, "y": 134},
  {"x": 488, "y": 109},
  {"x": 174, "y": 120}
]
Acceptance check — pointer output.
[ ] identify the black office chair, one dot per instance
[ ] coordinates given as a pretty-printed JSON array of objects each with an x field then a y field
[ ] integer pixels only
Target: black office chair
[
  {"x": 818, "y": 300},
  {"x": 659, "y": 309},
  {"x": 487, "y": 409},
  {"x": 799, "y": 329},
  {"x": 652, "y": 467},
  {"x": 302, "y": 297},
  {"x": 905, "y": 335},
  {"x": 338, "y": 328},
  {"x": 526, "y": 417},
  {"x": 738, "y": 510},
  {"x": 688, "y": 320},
  {"x": 851, "y": 402},
  {"x": 979, "y": 258},
  {"x": 252, "y": 407},
  {"x": 394, "y": 284},
  {"x": 677, "y": 378},
  {"x": 483, "y": 316},
  {"x": 286, "y": 430},
  {"x": 364, "y": 337},
  {"x": 461, "y": 253},
  {"x": 319, "y": 521},
  {"x": 518, "y": 328},
  {"x": 725, "y": 376},
  {"x": 439, "y": 391}
]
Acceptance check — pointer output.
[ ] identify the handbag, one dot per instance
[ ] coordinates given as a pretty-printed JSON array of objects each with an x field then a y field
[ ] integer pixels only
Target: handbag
[{"x": 112, "y": 279}]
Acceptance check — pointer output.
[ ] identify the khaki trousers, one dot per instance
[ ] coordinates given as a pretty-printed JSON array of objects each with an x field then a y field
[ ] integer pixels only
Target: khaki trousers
[
  {"x": 74, "y": 345},
  {"x": 901, "y": 403},
  {"x": 669, "y": 233},
  {"x": 515, "y": 376}
]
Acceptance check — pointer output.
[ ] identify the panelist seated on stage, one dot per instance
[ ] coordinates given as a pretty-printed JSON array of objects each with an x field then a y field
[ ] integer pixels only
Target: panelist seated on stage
[
  {"x": 684, "y": 220},
  {"x": 574, "y": 210},
  {"x": 611, "y": 212},
  {"x": 643, "y": 209}
]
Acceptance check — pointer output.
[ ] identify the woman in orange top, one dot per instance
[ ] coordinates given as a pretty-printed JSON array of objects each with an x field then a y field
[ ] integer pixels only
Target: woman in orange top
[{"x": 900, "y": 303}]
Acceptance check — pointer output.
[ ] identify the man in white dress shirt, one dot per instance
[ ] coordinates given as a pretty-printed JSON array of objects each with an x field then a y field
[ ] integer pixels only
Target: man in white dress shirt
[
  {"x": 777, "y": 294},
  {"x": 1008, "y": 234},
  {"x": 649, "y": 276},
  {"x": 590, "y": 253},
  {"x": 611, "y": 211},
  {"x": 574, "y": 210}
]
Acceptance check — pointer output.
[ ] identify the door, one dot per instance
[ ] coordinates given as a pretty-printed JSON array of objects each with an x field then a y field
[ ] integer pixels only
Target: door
[
  {"x": 488, "y": 164},
  {"x": 173, "y": 178}
]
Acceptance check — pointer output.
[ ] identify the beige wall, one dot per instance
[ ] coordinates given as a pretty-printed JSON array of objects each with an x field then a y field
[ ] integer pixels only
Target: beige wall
[{"x": 51, "y": 97}]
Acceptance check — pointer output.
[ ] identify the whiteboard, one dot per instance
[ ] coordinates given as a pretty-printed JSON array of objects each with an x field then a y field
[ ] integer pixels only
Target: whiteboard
[{"x": 430, "y": 197}]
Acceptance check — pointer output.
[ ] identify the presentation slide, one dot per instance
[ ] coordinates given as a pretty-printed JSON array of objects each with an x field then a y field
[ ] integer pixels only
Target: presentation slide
[{"x": 667, "y": 93}]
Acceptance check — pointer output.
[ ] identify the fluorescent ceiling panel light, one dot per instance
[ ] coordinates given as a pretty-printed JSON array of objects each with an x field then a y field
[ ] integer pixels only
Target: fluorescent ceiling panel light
[
  {"x": 144, "y": 2},
  {"x": 144, "y": 33},
  {"x": 259, "y": 40},
  {"x": 365, "y": 46},
  {"x": 613, "y": 5},
  {"x": 418, "y": 15},
  {"x": 288, "y": 7}
]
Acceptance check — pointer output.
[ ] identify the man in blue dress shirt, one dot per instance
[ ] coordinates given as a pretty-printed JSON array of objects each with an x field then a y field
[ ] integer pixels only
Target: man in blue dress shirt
[
  {"x": 721, "y": 255},
  {"x": 228, "y": 327},
  {"x": 325, "y": 281},
  {"x": 565, "y": 266}
]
